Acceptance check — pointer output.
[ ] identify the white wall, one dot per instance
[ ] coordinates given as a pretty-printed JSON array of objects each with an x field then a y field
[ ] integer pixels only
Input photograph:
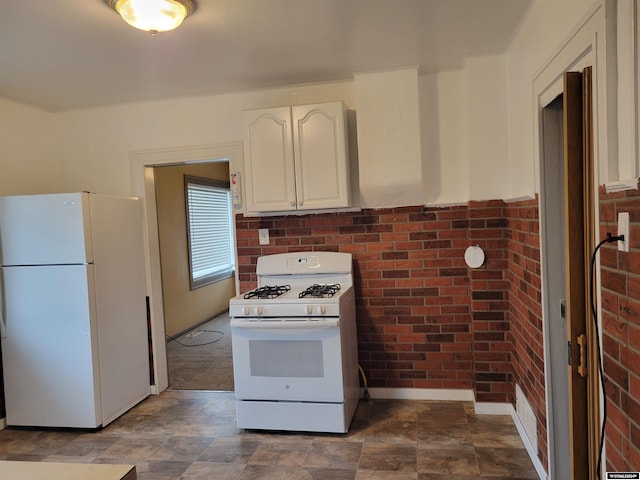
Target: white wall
[
  {"x": 387, "y": 108},
  {"x": 421, "y": 138},
  {"x": 428, "y": 135},
  {"x": 28, "y": 153},
  {"x": 95, "y": 144},
  {"x": 463, "y": 118},
  {"x": 626, "y": 169},
  {"x": 547, "y": 25},
  {"x": 443, "y": 125},
  {"x": 477, "y": 122},
  {"x": 487, "y": 147}
]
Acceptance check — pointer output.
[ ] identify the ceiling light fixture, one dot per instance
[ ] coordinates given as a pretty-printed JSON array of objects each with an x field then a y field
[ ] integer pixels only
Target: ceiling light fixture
[{"x": 153, "y": 15}]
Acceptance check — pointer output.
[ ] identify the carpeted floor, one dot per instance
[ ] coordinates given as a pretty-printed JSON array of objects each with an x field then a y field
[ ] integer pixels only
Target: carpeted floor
[{"x": 201, "y": 359}]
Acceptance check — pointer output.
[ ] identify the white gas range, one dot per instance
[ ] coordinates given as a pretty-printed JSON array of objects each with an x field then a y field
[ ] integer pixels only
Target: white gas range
[{"x": 295, "y": 356}]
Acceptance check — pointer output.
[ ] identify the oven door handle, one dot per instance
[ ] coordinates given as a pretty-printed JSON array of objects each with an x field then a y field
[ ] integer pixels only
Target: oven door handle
[{"x": 284, "y": 324}]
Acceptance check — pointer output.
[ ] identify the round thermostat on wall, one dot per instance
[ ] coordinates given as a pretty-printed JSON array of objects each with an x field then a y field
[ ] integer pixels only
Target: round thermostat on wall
[{"x": 474, "y": 256}]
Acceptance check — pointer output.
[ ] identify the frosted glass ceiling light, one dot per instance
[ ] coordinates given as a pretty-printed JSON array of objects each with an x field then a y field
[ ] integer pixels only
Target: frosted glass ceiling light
[{"x": 153, "y": 15}]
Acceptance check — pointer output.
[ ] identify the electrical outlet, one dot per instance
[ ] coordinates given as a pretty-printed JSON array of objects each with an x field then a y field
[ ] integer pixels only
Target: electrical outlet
[
  {"x": 263, "y": 236},
  {"x": 623, "y": 229}
]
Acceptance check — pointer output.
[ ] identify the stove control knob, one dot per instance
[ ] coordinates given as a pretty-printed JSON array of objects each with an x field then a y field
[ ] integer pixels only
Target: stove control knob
[
  {"x": 258, "y": 310},
  {"x": 245, "y": 310},
  {"x": 322, "y": 309},
  {"x": 309, "y": 309}
]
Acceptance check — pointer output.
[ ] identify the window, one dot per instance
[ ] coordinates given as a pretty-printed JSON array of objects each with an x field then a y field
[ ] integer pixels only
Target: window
[{"x": 210, "y": 231}]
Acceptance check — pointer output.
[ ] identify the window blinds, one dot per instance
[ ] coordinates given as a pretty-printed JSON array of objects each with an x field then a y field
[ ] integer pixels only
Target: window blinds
[{"x": 210, "y": 233}]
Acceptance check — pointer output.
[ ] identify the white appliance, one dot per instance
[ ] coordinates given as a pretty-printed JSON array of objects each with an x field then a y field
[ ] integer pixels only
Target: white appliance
[
  {"x": 73, "y": 309},
  {"x": 295, "y": 356}
]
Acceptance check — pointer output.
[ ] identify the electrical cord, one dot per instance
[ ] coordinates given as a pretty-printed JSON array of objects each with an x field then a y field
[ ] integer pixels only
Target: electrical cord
[
  {"x": 175, "y": 339},
  {"x": 594, "y": 314},
  {"x": 364, "y": 382}
]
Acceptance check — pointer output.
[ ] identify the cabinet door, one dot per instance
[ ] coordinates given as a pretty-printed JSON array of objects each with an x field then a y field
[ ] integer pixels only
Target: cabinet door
[
  {"x": 320, "y": 152},
  {"x": 268, "y": 160}
]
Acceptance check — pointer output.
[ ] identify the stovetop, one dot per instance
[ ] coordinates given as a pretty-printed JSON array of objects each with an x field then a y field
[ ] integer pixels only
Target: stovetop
[
  {"x": 320, "y": 290},
  {"x": 316, "y": 290},
  {"x": 268, "y": 291},
  {"x": 272, "y": 294},
  {"x": 297, "y": 284},
  {"x": 316, "y": 300}
]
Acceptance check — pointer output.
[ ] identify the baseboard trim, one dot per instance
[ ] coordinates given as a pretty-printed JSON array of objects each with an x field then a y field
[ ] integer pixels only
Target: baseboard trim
[
  {"x": 493, "y": 408},
  {"x": 3, "y": 423},
  {"x": 422, "y": 394}
]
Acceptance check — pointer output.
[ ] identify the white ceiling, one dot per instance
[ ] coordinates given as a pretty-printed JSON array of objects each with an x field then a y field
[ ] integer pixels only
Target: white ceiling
[{"x": 68, "y": 54}]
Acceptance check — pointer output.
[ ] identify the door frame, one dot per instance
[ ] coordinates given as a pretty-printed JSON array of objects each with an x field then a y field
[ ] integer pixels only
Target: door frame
[
  {"x": 143, "y": 186},
  {"x": 586, "y": 45},
  {"x": 560, "y": 428},
  {"x": 552, "y": 252}
]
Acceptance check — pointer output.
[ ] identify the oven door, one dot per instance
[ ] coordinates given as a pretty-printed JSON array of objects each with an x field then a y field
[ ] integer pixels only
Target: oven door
[{"x": 293, "y": 359}]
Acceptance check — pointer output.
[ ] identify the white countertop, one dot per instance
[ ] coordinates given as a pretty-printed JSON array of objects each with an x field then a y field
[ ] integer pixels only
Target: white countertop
[{"x": 65, "y": 471}]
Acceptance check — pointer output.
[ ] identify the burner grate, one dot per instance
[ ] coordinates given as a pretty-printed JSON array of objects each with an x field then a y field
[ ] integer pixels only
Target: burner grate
[
  {"x": 320, "y": 291},
  {"x": 268, "y": 291}
]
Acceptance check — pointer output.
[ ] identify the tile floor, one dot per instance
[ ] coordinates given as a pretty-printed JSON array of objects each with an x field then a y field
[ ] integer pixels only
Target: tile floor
[{"x": 192, "y": 435}]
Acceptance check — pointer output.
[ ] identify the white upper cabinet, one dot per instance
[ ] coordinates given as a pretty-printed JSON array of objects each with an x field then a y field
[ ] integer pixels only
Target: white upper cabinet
[
  {"x": 268, "y": 160},
  {"x": 296, "y": 158}
]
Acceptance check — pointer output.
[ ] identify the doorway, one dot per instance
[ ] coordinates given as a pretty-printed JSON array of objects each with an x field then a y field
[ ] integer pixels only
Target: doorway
[
  {"x": 195, "y": 314},
  {"x": 567, "y": 218},
  {"x": 553, "y": 257},
  {"x": 142, "y": 165}
]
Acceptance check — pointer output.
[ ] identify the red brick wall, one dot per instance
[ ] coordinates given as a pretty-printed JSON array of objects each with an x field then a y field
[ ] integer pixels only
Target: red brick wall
[
  {"x": 620, "y": 281},
  {"x": 525, "y": 298},
  {"x": 489, "y": 303},
  {"x": 425, "y": 320}
]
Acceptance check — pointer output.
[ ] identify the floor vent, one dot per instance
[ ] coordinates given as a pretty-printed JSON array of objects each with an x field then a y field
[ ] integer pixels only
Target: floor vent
[{"x": 527, "y": 417}]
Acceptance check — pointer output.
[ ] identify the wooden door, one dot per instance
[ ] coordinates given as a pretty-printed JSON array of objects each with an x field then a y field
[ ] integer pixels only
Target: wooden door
[{"x": 579, "y": 242}]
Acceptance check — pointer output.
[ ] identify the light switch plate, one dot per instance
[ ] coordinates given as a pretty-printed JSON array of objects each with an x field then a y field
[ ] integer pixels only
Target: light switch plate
[
  {"x": 623, "y": 229},
  {"x": 263, "y": 236}
]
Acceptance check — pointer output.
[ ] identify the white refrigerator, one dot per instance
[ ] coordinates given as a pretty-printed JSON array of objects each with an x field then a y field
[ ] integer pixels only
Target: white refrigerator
[{"x": 74, "y": 336}]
